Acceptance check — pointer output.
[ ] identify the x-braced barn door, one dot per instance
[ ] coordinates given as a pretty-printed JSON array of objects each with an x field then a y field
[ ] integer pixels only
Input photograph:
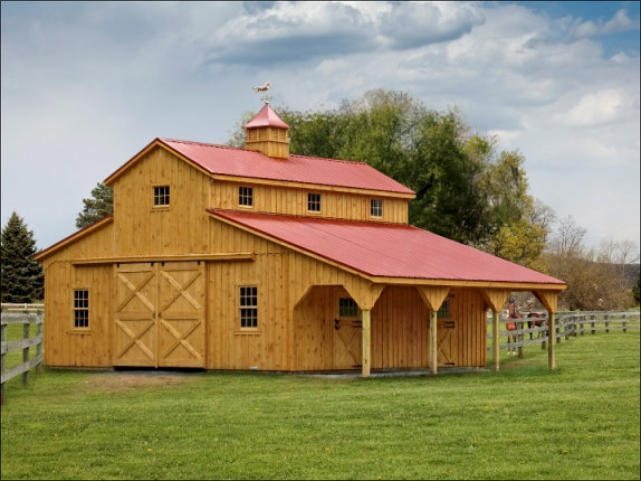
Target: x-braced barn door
[
  {"x": 447, "y": 345},
  {"x": 159, "y": 316},
  {"x": 348, "y": 346}
]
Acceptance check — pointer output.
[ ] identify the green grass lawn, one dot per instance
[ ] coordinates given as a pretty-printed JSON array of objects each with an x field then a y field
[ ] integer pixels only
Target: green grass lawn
[{"x": 580, "y": 422}]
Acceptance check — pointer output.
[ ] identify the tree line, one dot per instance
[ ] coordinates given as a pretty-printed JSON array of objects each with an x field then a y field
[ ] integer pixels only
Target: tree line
[{"x": 466, "y": 189}]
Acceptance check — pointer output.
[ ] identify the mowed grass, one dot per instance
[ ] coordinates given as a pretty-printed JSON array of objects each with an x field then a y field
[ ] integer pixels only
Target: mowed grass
[{"x": 580, "y": 422}]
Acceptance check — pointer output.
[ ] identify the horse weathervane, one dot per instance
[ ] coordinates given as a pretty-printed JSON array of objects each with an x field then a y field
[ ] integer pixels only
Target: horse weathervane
[{"x": 264, "y": 88}]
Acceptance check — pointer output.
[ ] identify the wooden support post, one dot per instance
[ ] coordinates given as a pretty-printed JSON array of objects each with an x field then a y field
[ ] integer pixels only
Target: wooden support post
[
  {"x": 433, "y": 342},
  {"x": 25, "y": 351},
  {"x": 433, "y": 297},
  {"x": 495, "y": 339},
  {"x": 367, "y": 341},
  {"x": 624, "y": 324},
  {"x": 552, "y": 341},
  {"x": 592, "y": 324},
  {"x": 607, "y": 323}
]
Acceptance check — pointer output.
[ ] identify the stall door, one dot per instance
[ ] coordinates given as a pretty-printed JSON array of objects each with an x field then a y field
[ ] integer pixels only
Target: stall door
[
  {"x": 447, "y": 343},
  {"x": 159, "y": 315},
  {"x": 181, "y": 315},
  {"x": 348, "y": 345}
]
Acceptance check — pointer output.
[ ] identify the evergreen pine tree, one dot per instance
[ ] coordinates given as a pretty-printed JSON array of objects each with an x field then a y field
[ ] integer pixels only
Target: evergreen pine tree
[
  {"x": 21, "y": 276},
  {"x": 97, "y": 207}
]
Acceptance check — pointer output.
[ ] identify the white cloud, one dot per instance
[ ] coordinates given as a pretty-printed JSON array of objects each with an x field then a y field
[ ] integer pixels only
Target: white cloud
[
  {"x": 414, "y": 24},
  {"x": 596, "y": 108},
  {"x": 298, "y": 31},
  {"x": 620, "y": 22}
]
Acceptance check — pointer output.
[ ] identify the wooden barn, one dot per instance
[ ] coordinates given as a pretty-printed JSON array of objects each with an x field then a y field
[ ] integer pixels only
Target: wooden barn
[{"x": 225, "y": 258}]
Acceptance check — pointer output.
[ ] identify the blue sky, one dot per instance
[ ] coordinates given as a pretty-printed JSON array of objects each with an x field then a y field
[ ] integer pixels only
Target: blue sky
[{"x": 85, "y": 85}]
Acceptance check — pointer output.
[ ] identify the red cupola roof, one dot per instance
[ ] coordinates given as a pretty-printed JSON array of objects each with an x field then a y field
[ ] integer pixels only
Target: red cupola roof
[{"x": 266, "y": 118}]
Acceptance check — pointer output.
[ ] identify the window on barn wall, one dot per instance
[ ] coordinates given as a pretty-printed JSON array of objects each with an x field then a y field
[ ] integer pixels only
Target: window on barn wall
[
  {"x": 313, "y": 202},
  {"x": 347, "y": 307},
  {"x": 444, "y": 311},
  {"x": 246, "y": 196},
  {"x": 376, "y": 208},
  {"x": 248, "y": 307},
  {"x": 161, "y": 195},
  {"x": 81, "y": 308}
]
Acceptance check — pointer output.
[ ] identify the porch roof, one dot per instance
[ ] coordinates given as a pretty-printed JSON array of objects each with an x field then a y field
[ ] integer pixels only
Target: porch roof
[{"x": 385, "y": 250}]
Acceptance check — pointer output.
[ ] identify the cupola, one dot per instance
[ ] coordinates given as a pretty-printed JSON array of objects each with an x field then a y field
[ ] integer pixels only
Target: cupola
[{"x": 267, "y": 133}]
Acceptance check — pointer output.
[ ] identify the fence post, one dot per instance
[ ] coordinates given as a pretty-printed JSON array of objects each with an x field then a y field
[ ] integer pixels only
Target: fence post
[
  {"x": 520, "y": 338},
  {"x": 592, "y": 324},
  {"x": 625, "y": 321},
  {"x": 3, "y": 337},
  {"x": 566, "y": 326},
  {"x": 607, "y": 323},
  {"x": 25, "y": 350},
  {"x": 546, "y": 332},
  {"x": 39, "y": 345}
]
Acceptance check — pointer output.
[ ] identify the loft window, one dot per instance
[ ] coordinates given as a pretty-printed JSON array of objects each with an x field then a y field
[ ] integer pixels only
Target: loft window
[
  {"x": 376, "y": 208},
  {"x": 161, "y": 195},
  {"x": 81, "y": 308},
  {"x": 249, "y": 307},
  {"x": 347, "y": 307},
  {"x": 246, "y": 196},
  {"x": 444, "y": 311},
  {"x": 313, "y": 202}
]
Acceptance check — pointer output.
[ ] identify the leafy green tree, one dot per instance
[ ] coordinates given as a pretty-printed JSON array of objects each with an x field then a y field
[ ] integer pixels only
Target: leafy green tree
[
  {"x": 97, "y": 207},
  {"x": 22, "y": 278}
]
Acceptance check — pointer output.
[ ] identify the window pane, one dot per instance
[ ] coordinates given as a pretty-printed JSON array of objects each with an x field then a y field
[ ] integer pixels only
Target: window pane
[
  {"x": 314, "y": 202},
  {"x": 249, "y": 306},
  {"x": 81, "y": 308},
  {"x": 161, "y": 195},
  {"x": 444, "y": 311},
  {"x": 377, "y": 207},
  {"x": 347, "y": 307},
  {"x": 245, "y": 196}
]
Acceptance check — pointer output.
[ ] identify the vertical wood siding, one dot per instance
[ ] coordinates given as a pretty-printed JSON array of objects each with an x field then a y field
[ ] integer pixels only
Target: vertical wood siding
[{"x": 283, "y": 200}]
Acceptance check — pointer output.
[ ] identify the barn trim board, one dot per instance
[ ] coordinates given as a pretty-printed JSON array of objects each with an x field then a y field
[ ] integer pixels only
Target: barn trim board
[{"x": 165, "y": 285}]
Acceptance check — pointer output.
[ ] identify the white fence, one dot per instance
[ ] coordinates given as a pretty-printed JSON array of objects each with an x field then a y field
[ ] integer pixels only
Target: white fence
[
  {"x": 569, "y": 324},
  {"x": 27, "y": 315}
]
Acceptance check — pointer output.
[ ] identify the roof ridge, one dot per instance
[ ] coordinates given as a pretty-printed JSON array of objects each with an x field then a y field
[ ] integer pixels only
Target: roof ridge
[
  {"x": 207, "y": 144},
  {"x": 314, "y": 218},
  {"x": 231, "y": 147},
  {"x": 347, "y": 161}
]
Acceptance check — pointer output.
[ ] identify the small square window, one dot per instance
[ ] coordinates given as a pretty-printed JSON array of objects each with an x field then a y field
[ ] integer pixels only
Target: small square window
[
  {"x": 248, "y": 307},
  {"x": 347, "y": 307},
  {"x": 81, "y": 308},
  {"x": 444, "y": 311},
  {"x": 313, "y": 202},
  {"x": 246, "y": 196},
  {"x": 161, "y": 195},
  {"x": 376, "y": 209}
]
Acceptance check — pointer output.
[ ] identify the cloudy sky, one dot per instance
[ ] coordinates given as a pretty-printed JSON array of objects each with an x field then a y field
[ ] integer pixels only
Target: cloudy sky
[{"x": 85, "y": 85}]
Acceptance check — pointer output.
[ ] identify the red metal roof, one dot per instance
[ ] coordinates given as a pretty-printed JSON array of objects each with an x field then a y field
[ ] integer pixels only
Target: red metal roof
[
  {"x": 225, "y": 160},
  {"x": 266, "y": 117},
  {"x": 386, "y": 250}
]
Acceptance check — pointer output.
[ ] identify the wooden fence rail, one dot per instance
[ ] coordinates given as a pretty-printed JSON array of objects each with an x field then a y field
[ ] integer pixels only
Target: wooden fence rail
[
  {"x": 568, "y": 324},
  {"x": 26, "y": 315}
]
